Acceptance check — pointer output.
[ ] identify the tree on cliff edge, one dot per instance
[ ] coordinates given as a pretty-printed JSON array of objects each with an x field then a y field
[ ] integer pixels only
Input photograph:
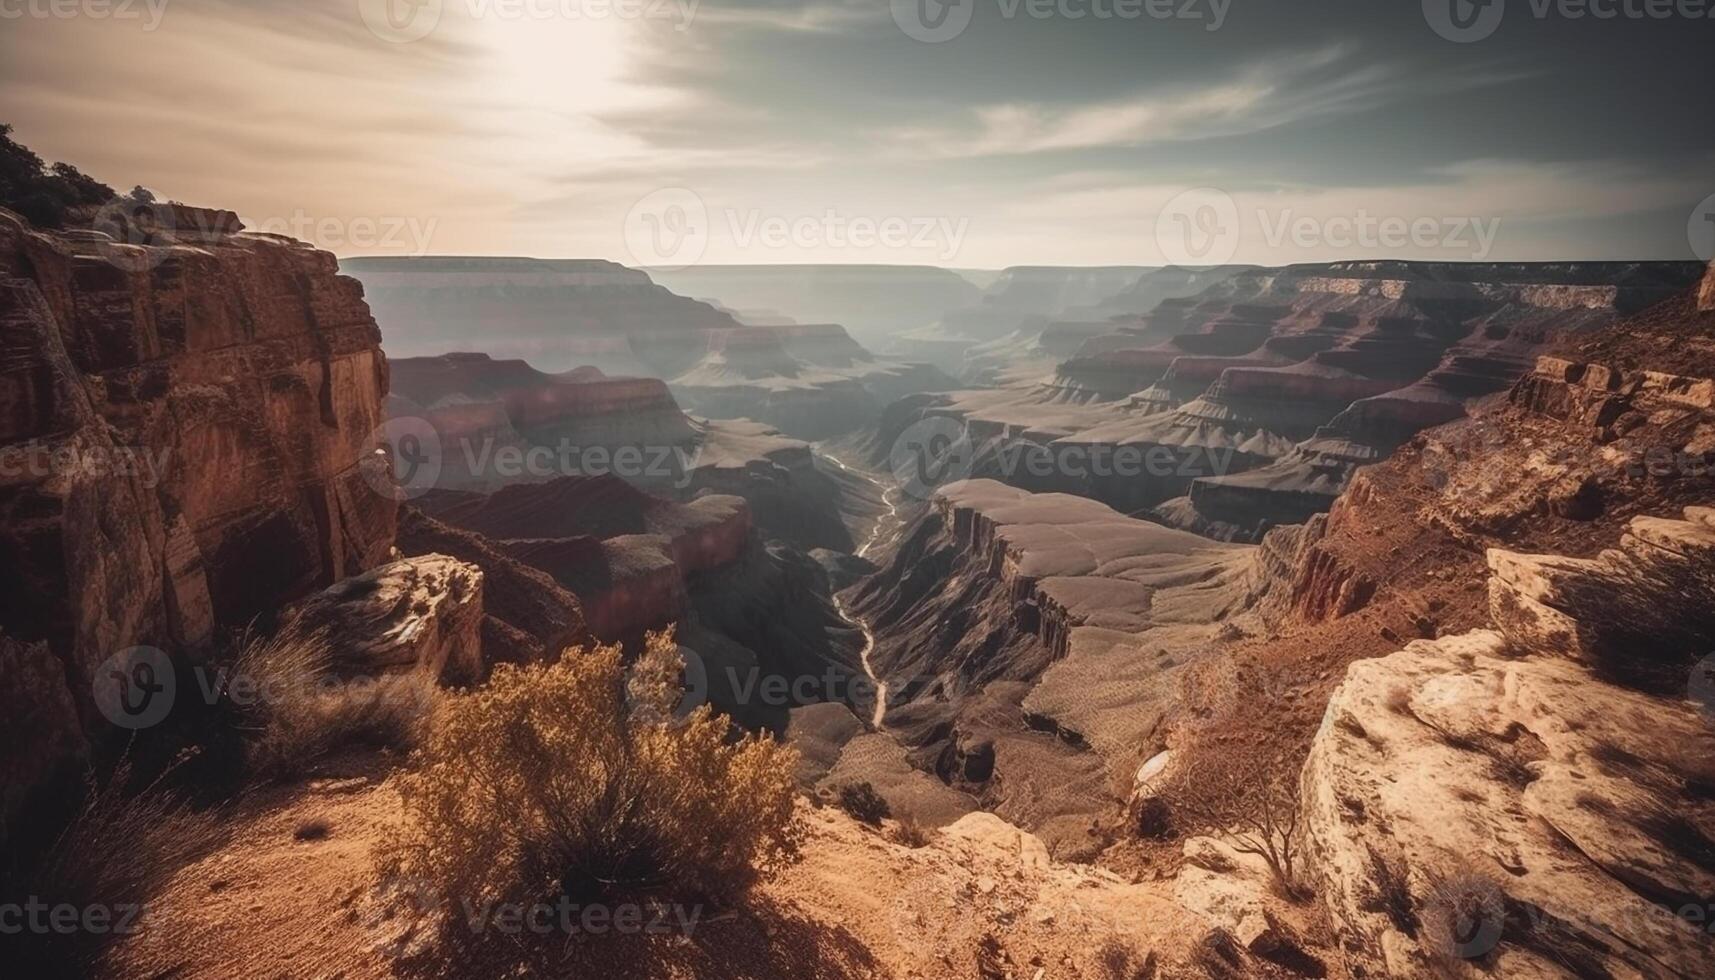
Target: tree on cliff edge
[{"x": 40, "y": 193}]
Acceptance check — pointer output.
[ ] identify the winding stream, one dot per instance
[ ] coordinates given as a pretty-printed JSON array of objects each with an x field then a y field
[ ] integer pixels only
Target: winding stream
[{"x": 881, "y": 524}]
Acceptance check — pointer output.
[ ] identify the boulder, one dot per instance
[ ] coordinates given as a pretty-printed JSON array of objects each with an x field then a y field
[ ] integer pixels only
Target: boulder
[{"x": 420, "y": 614}]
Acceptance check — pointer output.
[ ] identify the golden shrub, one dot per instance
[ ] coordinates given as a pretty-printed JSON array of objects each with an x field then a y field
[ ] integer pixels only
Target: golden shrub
[{"x": 575, "y": 778}]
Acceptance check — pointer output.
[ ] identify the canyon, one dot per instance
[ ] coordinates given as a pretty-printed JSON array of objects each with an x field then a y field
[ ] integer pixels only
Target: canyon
[{"x": 1432, "y": 544}]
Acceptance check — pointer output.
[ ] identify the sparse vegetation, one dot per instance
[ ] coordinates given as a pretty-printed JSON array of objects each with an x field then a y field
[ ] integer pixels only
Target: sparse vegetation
[
  {"x": 41, "y": 193},
  {"x": 1246, "y": 800},
  {"x": 863, "y": 804},
  {"x": 910, "y": 832},
  {"x": 564, "y": 779},
  {"x": 1120, "y": 960},
  {"x": 1391, "y": 894},
  {"x": 114, "y": 854},
  {"x": 290, "y": 710}
]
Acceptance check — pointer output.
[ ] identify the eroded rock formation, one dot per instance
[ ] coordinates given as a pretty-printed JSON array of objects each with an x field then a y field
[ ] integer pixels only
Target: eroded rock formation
[
  {"x": 185, "y": 431},
  {"x": 1261, "y": 395}
]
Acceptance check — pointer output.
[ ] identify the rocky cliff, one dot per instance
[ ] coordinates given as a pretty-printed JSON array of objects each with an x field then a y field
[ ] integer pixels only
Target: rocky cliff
[
  {"x": 1261, "y": 395},
  {"x": 1028, "y": 643},
  {"x": 185, "y": 436},
  {"x": 1530, "y": 797}
]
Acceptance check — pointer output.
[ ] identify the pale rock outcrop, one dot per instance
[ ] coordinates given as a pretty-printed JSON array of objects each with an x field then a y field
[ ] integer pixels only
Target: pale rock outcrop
[
  {"x": 1509, "y": 799},
  {"x": 421, "y": 614}
]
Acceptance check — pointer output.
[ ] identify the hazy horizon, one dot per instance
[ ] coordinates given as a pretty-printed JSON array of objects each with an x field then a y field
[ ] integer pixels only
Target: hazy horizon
[{"x": 793, "y": 133}]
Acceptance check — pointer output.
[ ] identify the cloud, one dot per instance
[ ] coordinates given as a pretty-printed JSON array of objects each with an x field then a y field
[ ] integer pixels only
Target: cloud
[{"x": 1310, "y": 85}]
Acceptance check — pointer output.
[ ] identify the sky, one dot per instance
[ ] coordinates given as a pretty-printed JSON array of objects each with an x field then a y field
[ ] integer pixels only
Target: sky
[{"x": 979, "y": 135}]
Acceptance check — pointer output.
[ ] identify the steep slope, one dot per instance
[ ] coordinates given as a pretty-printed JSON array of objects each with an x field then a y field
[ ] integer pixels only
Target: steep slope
[
  {"x": 481, "y": 424},
  {"x": 1026, "y": 641}
]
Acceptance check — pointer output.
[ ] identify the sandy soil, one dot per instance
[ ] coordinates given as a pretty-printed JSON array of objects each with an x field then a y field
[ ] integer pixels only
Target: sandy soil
[{"x": 295, "y": 895}]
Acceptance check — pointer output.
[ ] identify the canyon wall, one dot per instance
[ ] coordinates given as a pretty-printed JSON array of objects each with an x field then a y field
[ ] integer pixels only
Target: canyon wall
[
  {"x": 559, "y": 314},
  {"x": 1257, "y": 398},
  {"x": 1530, "y": 797},
  {"x": 186, "y": 436}
]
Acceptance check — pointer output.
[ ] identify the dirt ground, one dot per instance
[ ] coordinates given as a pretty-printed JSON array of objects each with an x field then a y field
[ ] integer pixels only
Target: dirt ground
[{"x": 295, "y": 894}]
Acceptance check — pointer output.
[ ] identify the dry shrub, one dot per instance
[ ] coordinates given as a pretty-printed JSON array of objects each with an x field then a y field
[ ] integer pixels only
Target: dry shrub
[
  {"x": 1120, "y": 960},
  {"x": 566, "y": 780},
  {"x": 292, "y": 710},
  {"x": 910, "y": 832},
  {"x": 115, "y": 853},
  {"x": 863, "y": 804},
  {"x": 1246, "y": 799}
]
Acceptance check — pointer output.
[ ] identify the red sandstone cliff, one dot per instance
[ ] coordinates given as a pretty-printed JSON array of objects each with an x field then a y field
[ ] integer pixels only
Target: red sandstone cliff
[{"x": 182, "y": 432}]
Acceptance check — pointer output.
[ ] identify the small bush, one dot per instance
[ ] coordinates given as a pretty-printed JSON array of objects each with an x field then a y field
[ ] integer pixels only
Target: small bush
[
  {"x": 1249, "y": 801},
  {"x": 115, "y": 853},
  {"x": 291, "y": 711},
  {"x": 911, "y": 833},
  {"x": 1120, "y": 960},
  {"x": 564, "y": 780},
  {"x": 863, "y": 804}
]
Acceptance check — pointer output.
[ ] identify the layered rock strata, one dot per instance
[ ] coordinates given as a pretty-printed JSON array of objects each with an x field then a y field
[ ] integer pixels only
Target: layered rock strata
[{"x": 185, "y": 432}]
